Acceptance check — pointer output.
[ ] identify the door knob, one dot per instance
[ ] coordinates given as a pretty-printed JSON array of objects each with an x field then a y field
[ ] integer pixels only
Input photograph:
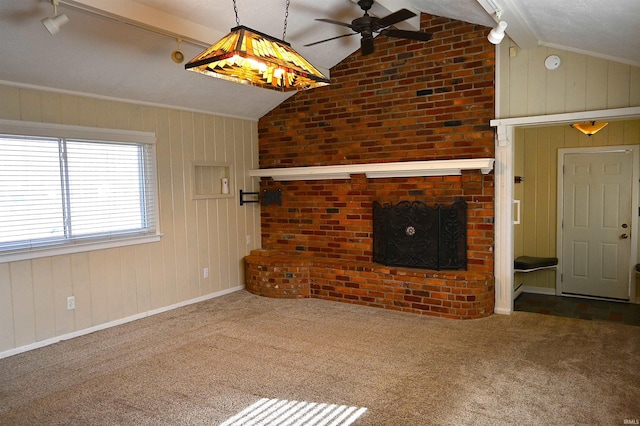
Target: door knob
[{"x": 624, "y": 236}]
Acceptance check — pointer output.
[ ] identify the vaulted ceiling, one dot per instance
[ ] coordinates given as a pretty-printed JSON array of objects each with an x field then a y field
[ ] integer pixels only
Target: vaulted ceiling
[{"x": 105, "y": 51}]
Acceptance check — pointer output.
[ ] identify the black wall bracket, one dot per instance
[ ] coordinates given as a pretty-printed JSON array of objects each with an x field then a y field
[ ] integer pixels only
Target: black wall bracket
[
  {"x": 268, "y": 197},
  {"x": 244, "y": 201}
]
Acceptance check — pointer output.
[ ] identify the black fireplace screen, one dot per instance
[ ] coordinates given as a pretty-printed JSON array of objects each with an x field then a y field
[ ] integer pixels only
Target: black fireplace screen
[{"x": 416, "y": 235}]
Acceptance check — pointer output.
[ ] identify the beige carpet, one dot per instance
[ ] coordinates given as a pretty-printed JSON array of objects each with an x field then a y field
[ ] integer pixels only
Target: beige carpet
[{"x": 205, "y": 363}]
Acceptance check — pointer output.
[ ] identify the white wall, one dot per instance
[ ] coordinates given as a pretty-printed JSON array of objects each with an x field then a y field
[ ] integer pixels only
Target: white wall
[{"x": 120, "y": 284}]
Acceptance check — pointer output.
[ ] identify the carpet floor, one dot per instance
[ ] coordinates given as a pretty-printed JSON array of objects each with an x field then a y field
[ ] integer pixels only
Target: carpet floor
[{"x": 243, "y": 359}]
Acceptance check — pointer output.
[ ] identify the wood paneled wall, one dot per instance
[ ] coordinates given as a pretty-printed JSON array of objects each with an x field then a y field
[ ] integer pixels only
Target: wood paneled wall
[
  {"x": 581, "y": 83},
  {"x": 526, "y": 88},
  {"x": 117, "y": 284},
  {"x": 536, "y": 160}
]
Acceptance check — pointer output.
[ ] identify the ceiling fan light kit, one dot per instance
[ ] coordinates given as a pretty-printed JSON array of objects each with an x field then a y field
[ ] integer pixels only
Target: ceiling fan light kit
[{"x": 248, "y": 56}]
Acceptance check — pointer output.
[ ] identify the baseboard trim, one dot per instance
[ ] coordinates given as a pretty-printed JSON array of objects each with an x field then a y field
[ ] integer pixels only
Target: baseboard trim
[
  {"x": 502, "y": 311},
  {"x": 114, "y": 323}
]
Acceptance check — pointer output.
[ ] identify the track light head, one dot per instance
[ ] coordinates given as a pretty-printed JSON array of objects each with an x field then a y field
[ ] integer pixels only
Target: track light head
[
  {"x": 497, "y": 33},
  {"x": 53, "y": 24},
  {"x": 177, "y": 56}
]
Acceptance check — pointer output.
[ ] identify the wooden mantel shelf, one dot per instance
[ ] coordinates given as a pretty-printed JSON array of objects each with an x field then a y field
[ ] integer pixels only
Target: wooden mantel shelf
[{"x": 378, "y": 170}]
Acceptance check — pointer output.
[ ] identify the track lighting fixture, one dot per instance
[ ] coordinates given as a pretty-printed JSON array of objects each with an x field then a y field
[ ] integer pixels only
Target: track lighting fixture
[
  {"x": 177, "y": 56},
  {"x": 497, "y": 33},
  {"x": 53, "y": 24}
]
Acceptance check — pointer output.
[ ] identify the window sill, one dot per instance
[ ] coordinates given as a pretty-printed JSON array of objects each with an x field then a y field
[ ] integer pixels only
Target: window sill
[{"x": 77, "y": 248}]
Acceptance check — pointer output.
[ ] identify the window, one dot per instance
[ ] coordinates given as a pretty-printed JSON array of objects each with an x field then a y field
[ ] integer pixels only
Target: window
[{"x": 72, "y": 192}]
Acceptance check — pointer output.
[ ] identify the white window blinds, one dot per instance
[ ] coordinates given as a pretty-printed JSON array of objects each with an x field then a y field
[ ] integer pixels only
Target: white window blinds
[{"x": 69, "y": 191}]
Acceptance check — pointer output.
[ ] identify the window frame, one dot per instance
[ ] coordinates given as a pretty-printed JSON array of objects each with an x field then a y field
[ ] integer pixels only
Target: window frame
[{"x": 99, "y": 135}]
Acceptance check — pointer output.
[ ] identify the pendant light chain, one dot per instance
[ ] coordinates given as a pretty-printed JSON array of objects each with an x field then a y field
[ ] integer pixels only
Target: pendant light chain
[
  {"x": 235, "y": 9},
  {"x": 286, "y": 16}
]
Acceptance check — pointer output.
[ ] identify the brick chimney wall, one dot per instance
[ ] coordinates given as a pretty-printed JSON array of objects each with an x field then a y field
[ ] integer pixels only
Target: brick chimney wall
[{"x": 408, "y": 101}]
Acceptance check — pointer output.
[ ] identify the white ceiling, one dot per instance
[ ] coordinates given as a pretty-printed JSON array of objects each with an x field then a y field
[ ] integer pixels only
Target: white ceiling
[{"x": 101, "y": 56}]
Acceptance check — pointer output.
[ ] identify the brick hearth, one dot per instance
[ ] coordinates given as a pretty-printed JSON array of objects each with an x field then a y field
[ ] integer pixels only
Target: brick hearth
[{"x": 449, "y": 294}]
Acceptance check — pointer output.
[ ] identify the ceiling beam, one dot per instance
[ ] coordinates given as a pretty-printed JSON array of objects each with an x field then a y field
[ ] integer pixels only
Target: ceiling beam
[{"x": 145, "y": 17}]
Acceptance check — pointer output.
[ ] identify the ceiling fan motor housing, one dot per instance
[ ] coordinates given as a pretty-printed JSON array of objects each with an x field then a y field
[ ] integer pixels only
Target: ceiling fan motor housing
[
  {"x": 367, "y": 26},
  {"x": 363, "y": 25},
  {"x": 365, "y": 4}
]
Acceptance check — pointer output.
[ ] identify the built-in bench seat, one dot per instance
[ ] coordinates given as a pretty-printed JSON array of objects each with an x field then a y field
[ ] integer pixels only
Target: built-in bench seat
[
  {"x": 527, "y": 264},
  {"x": 451, "y": 294},
  {"x": 531, "y": 263}
]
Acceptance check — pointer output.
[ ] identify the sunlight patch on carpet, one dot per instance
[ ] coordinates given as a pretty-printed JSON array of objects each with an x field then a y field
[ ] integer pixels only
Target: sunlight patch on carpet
[{"x": 280, "y": 412}]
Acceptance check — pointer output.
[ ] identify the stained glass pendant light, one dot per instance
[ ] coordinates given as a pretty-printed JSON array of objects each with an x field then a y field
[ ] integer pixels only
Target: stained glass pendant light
[{"x": 248, "y": 56}]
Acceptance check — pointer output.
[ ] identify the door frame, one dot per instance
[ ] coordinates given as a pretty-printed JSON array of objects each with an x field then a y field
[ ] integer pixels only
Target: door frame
[
  {"x": 504, "y": 177},
  {"x": 635, "y": 187}
]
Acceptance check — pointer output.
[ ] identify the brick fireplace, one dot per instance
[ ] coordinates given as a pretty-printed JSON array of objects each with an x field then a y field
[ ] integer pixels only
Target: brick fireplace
[{"x": 409, "y": 101}]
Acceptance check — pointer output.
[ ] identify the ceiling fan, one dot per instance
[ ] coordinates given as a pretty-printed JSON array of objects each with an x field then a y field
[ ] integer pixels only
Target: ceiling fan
[{"x": 368, "y": 25}]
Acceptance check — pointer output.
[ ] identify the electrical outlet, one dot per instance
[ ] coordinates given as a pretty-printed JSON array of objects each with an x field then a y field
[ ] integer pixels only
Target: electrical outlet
[
  {"x": 205, "y": 272},
  {"x": 71, "y": 303},
  {"x": 248, "y": 239}
]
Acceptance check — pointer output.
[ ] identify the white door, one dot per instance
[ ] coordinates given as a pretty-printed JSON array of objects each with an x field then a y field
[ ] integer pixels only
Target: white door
[{"x": 595, "y": 223}]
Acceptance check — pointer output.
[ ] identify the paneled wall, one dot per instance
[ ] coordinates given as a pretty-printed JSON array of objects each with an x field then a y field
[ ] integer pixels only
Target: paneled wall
[
  {"x": 581, "y": 83},
  {"x": 536, "y": 160},
  {"x": 119, "y": 284}
]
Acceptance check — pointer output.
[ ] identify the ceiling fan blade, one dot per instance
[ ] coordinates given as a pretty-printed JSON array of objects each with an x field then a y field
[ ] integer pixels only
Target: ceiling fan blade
[
  {"x": 331, "y": 21},
  {"x": 366, "y": 45},
  {"x": 411, "y": 35},
  {"x": 394, "y": 18},
  {"x": 329, "y": 39}
]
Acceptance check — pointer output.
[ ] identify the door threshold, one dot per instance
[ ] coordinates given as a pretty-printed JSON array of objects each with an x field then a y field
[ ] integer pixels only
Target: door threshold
[{"x": 584, "y": 296}]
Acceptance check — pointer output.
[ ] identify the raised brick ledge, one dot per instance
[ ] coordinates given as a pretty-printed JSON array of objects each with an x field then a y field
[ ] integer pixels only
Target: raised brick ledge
[{"x": 449, "y": 294}]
